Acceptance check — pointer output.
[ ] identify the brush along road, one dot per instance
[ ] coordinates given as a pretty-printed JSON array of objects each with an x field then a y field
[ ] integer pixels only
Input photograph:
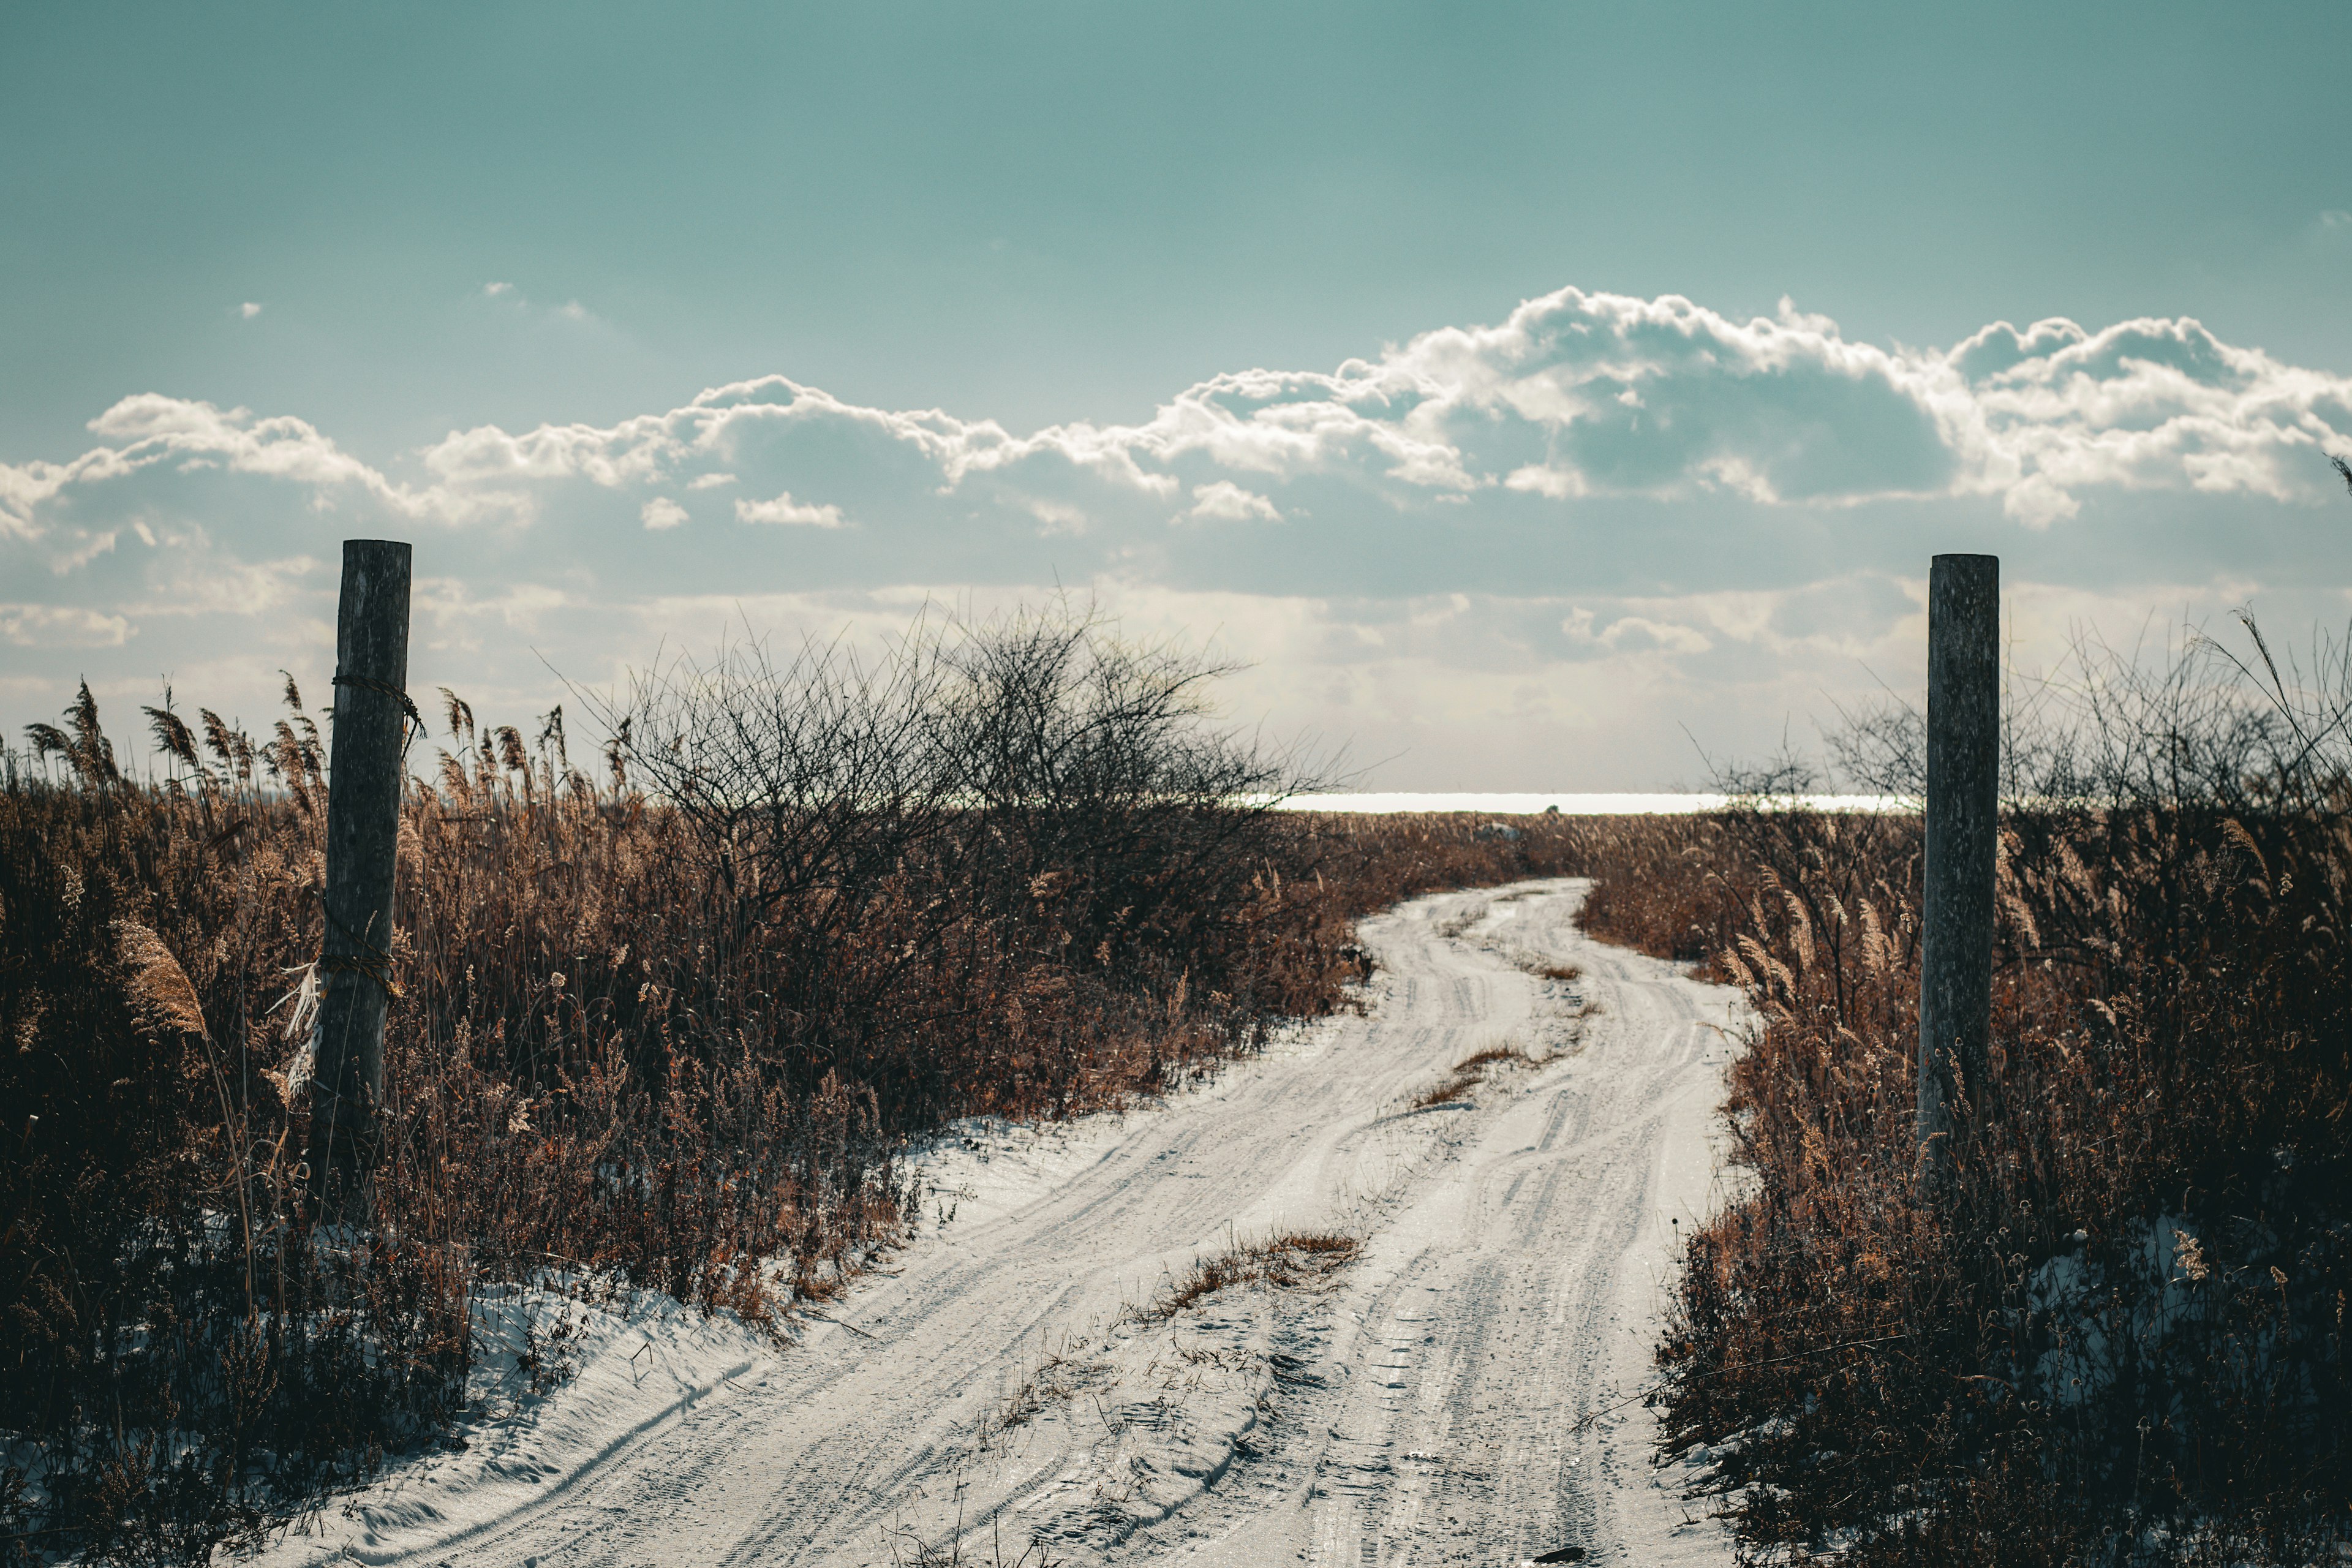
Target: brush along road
[{"x": 1463, "y": 1388}]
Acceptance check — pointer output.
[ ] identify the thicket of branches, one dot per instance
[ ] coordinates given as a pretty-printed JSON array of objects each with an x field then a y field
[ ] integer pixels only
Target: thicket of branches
[{"x": 1038, "y": 813}]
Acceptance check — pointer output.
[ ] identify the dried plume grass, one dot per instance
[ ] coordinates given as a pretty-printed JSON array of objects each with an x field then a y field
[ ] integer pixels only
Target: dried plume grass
[{"x": 2118, "y": 1337}]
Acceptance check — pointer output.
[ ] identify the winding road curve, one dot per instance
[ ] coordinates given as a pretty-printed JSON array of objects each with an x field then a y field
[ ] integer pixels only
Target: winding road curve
[{"x": 1459, "y": 1392}]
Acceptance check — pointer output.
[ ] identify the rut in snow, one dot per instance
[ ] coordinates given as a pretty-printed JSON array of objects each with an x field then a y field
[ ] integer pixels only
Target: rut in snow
[{"x": 1461, "y": 1389}]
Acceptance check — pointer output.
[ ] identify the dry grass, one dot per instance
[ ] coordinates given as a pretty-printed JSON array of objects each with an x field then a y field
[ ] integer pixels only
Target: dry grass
[
  {"x": 1055, "y": 1381},
  {"x": 1470, "y": 1072},
  {"x": 616, "y": 1051},
  {"x": 2118, "y": 1337},
  {"x": 620, "y": 1048},
  {"x": 1289, "y": 1260}
]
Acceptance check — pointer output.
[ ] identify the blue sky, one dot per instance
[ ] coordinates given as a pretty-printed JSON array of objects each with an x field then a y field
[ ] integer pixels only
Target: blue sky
[{"x": 1516, "y": 387}]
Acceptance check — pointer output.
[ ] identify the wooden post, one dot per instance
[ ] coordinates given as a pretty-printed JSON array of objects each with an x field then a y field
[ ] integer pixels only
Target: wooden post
[
  {"x": 366, "y": 772},
  {"x": 1963, "y": 818}
]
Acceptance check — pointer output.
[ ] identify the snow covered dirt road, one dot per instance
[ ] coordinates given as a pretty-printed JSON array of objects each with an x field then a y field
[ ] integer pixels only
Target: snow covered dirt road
[{"x": 1460, "y": 1392}]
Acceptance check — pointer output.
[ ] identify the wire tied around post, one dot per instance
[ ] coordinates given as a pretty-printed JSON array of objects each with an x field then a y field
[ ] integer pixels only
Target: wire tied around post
[
  {"x": 371, "y": 960},
  {"x": 407, "y": 707}
]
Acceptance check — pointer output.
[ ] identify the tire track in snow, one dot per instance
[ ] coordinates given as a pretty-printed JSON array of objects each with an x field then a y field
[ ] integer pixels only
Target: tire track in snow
[
  {"x": 1507, "y": 1288},
  {"x": 1512, "y": 1303}
]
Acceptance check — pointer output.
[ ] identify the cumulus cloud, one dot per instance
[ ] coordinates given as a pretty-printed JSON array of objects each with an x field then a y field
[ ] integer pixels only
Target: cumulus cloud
[
  {"x": 195, "y": 578},
  {"x": 248, "y": 309},
  {"x": 785, "y": 509},
  {"x": 1225, "y": 499},
  {"x": 1603, "y": 415},
  {"x": 450, "y": 604},
  {"x": 1572, "y": 398},
  {"x": 149, "y": 429},
  {"x": 1634, "y": 633},
  {"x": 2144, "y": 404}
]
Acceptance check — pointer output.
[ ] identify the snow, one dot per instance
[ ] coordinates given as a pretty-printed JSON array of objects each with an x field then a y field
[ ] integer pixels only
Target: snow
[
  {"x": 621, "y": 1367},
  {"x": 1465, "y": 1387}
]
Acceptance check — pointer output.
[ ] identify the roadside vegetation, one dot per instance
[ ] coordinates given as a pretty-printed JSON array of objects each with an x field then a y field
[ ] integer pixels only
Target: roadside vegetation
[
  {"x": 666, "y": 1018},
  {"x": 2118, "y": 1336},
  {"x": 1287, "y": 1260},
  {"x": 670, "y": 1019},
  {"x": 1472, "y": 1070}
]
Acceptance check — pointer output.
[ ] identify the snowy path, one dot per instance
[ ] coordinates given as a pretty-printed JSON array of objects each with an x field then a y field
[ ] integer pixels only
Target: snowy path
[{"x": 1452, "y": 1395}]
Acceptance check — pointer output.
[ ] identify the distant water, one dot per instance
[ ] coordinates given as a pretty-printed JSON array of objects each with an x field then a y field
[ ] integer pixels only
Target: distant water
[{"x": 1583, "y": 805}]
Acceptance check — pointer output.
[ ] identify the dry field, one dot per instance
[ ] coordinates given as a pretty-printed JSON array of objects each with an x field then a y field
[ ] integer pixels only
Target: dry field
[
  {"x": 669, "y": 1025},
  {"x": 669, "y": 1037}
]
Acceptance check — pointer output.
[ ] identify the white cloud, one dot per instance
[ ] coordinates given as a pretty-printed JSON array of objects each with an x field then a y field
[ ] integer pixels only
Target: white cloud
[
  {"x": 1635, "y": 634},
  {"x": 1573, "y": 396},
  {"x": 248, "y": 309},
  {"x": 573, "y": 311},
  {"x": 62, "y": 627},
  {"x": 783, "y": 508},
  {"x": 194, "y": 579},
  {"x": 1225, "y": 499},
  {"x": 151, "y": 429},
  {"x": 1055, "y": 518},
  {"x": 494, "y": 291},
  {"x": 1484, "y": 435},
  {"x": 451, "y": 603}
]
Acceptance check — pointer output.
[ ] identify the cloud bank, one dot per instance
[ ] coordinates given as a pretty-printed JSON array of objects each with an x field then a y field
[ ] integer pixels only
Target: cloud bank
[
  {"x": 1573, "y": 396},
  {"x": 1674, "y": 429}
]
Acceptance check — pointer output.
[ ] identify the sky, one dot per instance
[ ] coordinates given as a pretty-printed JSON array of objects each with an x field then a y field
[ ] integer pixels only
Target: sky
[{"x": 1531, "y": 397}]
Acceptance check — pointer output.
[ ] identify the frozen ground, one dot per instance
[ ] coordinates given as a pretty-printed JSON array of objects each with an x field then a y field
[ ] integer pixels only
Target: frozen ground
[{"x": 1465, "y": 1391}]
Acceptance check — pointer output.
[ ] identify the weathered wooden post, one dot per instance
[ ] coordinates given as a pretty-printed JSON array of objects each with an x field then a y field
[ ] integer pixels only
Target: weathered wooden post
[
  {"x": 1963, "y": 818},
  {"x": 366, "y": 773}
]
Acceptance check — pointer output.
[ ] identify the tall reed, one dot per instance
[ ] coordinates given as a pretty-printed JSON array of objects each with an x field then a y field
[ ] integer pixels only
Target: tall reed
[{"x": 2118, "y": 1337}]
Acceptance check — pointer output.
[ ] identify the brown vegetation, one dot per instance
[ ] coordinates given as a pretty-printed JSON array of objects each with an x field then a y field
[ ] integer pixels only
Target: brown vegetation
[
  {"x": 2118, "y": 1337},
  {"x": 1289, "y": 1260},
  {"x": 1470, "y": 1072},
  {"x": 677, "y": 1037},
  {"x": 672, "y": 1039}
]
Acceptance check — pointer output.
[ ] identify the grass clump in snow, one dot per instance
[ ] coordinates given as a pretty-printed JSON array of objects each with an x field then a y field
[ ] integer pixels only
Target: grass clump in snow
[
  {"x": 1287, "y": 1260},
  {"x": 1470, "y": 1072}
]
